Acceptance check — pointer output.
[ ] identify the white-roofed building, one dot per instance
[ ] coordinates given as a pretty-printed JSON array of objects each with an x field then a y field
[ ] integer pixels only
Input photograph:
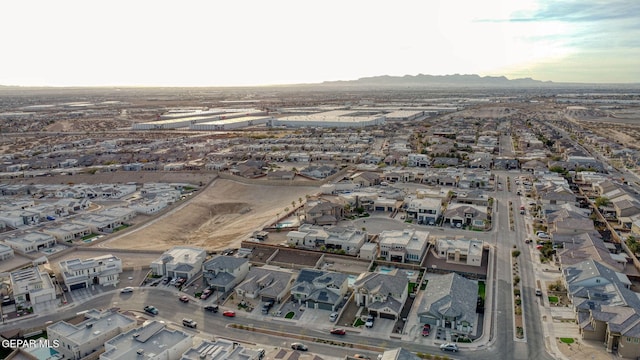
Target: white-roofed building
[
  {"x": 460, "y": 251},
  {"x": 152, "y": 341},
  {"x": 29, "y": 241},
  {"x": 408, "y": 245},
  {"x": 66, "y": 231},
  {"x": 79, "y": 340},
  {"x": 334, "y": 118},
  {"x": 179, "y": 262},
  {"x": 336, "y": 238},
  {"x": 102, "y": 270},
  {"x": 32, "y": 285},
  {"x": 6, "y": 252},
  {"x": 221, "y": 349}
]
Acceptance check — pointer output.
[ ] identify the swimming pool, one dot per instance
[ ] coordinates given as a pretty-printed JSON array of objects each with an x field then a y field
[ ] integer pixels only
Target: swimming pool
[{"x": 45, "y": 353}]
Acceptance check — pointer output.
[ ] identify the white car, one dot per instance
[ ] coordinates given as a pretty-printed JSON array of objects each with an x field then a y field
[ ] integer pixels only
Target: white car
[
  {"x": 369, "y": 322},
  {"x": 127, "y": 289},
  {"x": 449, "y": 347}
]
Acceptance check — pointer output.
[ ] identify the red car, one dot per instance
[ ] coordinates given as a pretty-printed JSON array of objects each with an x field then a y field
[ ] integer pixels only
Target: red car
[
  {"x": 229, "y": 313},
  {"x": 338, "y": 331},
  {"x": 184, "y": 298},
  {"x": 426, "y": 330}
]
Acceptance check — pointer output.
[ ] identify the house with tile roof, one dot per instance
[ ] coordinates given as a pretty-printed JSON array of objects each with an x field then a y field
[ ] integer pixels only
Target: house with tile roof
[
  {"x": 319, "y": 289},
  {"x": 382, "y": 294},
  {"x": 450, "y": 302},
  {"x": 223, "y": 273},
  {"x": 266, "y": 283}
]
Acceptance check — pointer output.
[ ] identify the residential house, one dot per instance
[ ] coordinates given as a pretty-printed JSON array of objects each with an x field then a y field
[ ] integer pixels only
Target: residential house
[
  {"x": 553, "y": 194},
  {"x": 323, "y": 213},
  {"x": 32, "y": 287},
  {"x": 222, "y": 349},
  {"x": 78, "y": 340},
  {"x": 366, "y": 178},
  {"x": 425, "y": 210},
  {"x": 266, "y": 283},
  {"x": 320, "y": 289},
  {"x": 6, "y": 252},
  {"x": 617, "y": 327},
  {"x": 340, "y": 239},
  {"x": 626, "y": 207},
  {"x": 399, "y": 176},
  {"x": 589, "y": 246},
  {"x": 461, "y": 215},
  {"x": 223, "y": 273},
  {"x": 281, "y": 175},
  {"x": 152, "y": 340},
  {"x": 460, "y": 251},
  {"x": 382, "y": 294},
  {"x": 473, "y": 197},
  {"x": 445, "y": 161},
  {"x": 408, "y": 245},
  {"x": 179, "y": 262},
  {"x": 103, "y": 270},
  {"x": 565, "y": 222},
  {"x": 418, "y": 160},
  {"x": 98, "y": 223},
  {"x": 66, "y": 231},
  {"x": 450, "y": 302},
  {"x": 318, "y": 172},
  {"x": 20, "y": 217},
  {"x": 594, "y": 280},
  {"x": 29, "y": 241}
]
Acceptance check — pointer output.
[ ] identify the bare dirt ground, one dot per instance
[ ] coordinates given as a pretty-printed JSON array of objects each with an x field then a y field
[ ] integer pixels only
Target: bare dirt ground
[
  {"x": 583, "y": 349},
  {"x": 218, "y": 217}
]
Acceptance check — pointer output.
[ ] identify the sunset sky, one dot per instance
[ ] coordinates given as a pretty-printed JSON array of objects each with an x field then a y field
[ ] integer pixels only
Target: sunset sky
[{"x": 264, "y": 42}]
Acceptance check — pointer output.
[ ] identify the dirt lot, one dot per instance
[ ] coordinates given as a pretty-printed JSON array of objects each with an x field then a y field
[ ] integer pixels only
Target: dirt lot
[{"x": 218, "y": 217}]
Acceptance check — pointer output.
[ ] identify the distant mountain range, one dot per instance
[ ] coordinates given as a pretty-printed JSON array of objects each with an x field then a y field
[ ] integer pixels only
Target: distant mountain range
[{"x": 456, "y": 80}]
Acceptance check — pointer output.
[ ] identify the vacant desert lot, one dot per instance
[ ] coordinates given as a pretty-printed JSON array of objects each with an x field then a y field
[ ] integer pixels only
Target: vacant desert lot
[{"x": 218, "y": 217}]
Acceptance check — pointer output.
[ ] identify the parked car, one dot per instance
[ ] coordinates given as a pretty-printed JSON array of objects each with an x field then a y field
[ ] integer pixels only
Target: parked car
[
  {"x": 127, "y": 289},
  {"x": 299, "y": 346},
  {"x": 361, "y": 356},
  {"x": 266, "y": 306},
  {"x": 151, "y": 310},
  {"x": 211, "y": 308},
  {"x": 538, "y": 292},
  {"x": 449, "y": 347},
  {"x": 189, "y": 323},
  {"x": 333, "y": 317},
  {"x": 229, "y": 313},
  {"x": 205, "y": 294},
  {"x": 338, "y": 331},
  {"x": 184, "y": 298},
  {"x": 426, "y": 330},
  {"x": 369, "y": 322}
]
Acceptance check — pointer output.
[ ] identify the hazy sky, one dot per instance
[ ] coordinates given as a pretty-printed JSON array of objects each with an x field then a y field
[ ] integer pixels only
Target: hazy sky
[{"x": 236, "y": 42}]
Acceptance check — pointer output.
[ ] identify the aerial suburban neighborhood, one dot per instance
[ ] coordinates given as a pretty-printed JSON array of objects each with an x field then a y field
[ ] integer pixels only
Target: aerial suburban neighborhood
[{"x": 343, "y": 224}]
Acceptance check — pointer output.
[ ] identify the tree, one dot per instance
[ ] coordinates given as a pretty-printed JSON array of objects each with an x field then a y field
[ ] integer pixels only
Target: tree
[{"x": 601, "y": 201}]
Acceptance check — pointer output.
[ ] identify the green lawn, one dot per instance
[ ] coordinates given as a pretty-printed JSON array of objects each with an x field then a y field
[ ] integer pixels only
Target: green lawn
[
  {"x": 481, "y": 289},
  {"x": 553, "y": 299},
  {"x": 290, "y": 315},
  {"x": 567, "y": 340},
  {"x": 358, "y": 322}
]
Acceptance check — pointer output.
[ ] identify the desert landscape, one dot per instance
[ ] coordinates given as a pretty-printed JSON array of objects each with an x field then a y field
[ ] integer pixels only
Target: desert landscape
[{"x": 220, "y": 216}]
